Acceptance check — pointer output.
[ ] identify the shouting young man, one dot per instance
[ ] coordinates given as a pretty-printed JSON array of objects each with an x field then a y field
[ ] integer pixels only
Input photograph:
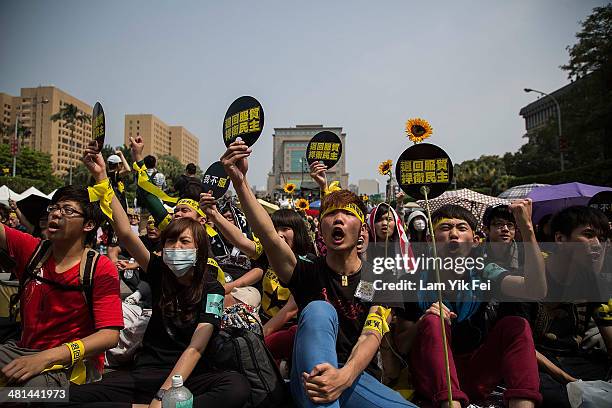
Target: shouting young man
[
  {"x": 340, "y": 327},
  {"x": 66, "y": 325}
]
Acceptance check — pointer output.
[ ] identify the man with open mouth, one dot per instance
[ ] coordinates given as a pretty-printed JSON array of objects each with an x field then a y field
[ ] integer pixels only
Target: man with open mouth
[{"x": 340, "y": 323}]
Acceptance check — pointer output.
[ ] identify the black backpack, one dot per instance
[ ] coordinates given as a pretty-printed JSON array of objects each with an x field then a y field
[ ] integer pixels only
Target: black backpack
[{"x": 241, "y": 350}]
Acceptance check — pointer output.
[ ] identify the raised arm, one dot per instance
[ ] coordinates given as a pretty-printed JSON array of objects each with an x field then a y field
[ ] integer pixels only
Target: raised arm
[
  {"x": 317, "y": 173},
  {"x": 229, "y": 231},
  {"x": 279, "y": 254},
  {"x": 125, "y": 167},
  {"x": 533, "y": 284},
  {"x": 120, "y": 222}
]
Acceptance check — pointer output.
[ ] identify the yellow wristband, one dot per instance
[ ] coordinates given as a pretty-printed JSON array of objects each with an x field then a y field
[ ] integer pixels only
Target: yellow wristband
[
  {"x": 377, "y": 321},
  {"x": 77, "y": 351}
]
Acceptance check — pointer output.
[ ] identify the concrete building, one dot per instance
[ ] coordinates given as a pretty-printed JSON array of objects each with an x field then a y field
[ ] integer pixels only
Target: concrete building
[
  {"x": 289, "y": 163},
  {"x": 162, "y": 139},
  {"x": 368, "y": 186},
  {"x": 34, "y": 107}
]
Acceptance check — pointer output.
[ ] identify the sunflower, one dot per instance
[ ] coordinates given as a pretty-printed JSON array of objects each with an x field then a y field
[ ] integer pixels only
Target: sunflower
[
  {"x": 302, "y": 204},
  {"x": 365, "y": 198},
  {"x": 418, "y": 129},
  {"x": 289, "y": 188},
  {"x": 384, "y": 168}
]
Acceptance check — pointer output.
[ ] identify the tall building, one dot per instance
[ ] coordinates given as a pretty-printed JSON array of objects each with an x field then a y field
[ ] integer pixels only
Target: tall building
[
  {"x": 289, "y": 163},
  {"x": 368, "y": 186},
  {"x": 161, "y": 139},
  {"x": 9, "y": 104},
  {"x": 34, "y": 108}
]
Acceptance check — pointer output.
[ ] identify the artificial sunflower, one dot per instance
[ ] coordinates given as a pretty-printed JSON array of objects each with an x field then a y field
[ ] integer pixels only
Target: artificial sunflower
[
  {"x": 365, "y": 198},
  {"x": 418, "y": 129},
  {"x": 302, "y": 204},
  {"x": 289, "y": 188},
  {"x": 384, "y": 168}
]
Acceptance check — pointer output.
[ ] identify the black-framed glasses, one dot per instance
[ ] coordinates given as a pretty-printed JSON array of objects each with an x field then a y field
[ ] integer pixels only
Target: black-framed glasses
[{"x": 65, "y": 210}]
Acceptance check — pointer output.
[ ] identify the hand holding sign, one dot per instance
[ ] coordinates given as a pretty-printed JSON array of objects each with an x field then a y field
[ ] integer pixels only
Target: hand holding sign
[
  {"x": 421, "y": 165},
  {"x": 324, "y": 147},
  {"x": 98, "y": 123},
  {"x": 216, "y": 180},
  {"x": 244, "y": 119}
]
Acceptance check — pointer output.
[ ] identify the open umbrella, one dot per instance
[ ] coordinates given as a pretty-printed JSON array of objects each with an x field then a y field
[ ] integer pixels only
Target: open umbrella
[
  {"x": 521, "y": 191},
  {"x": 316, "y": 205},
  {"x": 473, "y": 201},
  {"x": 554, "y": 198}
]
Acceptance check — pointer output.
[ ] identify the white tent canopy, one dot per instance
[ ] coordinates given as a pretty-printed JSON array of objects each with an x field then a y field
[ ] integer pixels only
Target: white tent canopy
[
  {"x": 33, "y": 190},
  {"x": 6, "y": 193}
]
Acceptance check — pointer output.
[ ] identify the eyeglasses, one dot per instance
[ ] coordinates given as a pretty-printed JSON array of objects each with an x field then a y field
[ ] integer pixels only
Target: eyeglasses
[
  {"x": 66, "y": 211},
  {"x": 501, "y": 224}
]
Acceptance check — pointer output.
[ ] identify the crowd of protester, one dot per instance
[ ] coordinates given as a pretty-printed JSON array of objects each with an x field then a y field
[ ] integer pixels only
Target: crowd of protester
[{"x": 113, "y": 311}]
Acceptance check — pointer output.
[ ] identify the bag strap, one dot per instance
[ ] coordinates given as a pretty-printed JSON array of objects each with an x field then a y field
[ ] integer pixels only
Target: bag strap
[
  {"x": 38, "y": 258},
  {"x": 89, "y": 261}
]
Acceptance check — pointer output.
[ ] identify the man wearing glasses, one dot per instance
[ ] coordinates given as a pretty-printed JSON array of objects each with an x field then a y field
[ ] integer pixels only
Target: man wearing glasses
[
  {"x": 501, "y": 248},
  {"x": 64, "y": 336}
]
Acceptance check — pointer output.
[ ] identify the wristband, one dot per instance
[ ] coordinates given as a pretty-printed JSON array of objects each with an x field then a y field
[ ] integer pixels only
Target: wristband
[
  {"x": 377, "y": 321},
  {"x": 77, "y": 351}
]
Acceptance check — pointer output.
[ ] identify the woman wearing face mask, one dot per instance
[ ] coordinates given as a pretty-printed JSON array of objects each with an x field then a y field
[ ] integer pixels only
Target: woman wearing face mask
[
  {"x": 417, "y": 226},
  {"x": 187, "y": 306}
]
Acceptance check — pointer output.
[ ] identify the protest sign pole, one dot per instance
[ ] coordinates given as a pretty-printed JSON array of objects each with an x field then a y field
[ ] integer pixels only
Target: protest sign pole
[{"x": 425, "y": 191}]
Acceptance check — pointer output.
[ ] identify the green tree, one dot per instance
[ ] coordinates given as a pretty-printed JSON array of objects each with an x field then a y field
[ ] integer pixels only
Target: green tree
[
  {"x": 593, "y": 51},
  {"x": 70, "y": 115},
  {"x": 31, "y": 165},
  {"x": 170, "y": 167},
  {"x": 480, "y": 174}
]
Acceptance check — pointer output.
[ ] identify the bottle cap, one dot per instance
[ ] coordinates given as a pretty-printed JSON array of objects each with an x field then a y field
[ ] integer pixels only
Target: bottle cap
[{"x": 177, "y": 381}]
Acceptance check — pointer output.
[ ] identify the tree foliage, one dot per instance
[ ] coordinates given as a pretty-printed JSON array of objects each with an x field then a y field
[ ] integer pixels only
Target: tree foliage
[{"x": 32, "y": 165}]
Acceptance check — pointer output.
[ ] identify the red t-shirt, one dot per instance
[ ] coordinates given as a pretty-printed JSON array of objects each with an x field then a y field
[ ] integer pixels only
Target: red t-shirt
[{"x": 50, "y": 316}]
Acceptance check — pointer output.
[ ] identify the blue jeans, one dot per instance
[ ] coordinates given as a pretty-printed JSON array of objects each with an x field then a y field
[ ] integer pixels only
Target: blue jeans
[{"x": 315, "y": 343}]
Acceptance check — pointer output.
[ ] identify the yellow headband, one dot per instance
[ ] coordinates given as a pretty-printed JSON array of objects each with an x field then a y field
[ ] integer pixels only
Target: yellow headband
[
  {"x": 191, "y": 204},
  {"x": 351, "y": 208}
]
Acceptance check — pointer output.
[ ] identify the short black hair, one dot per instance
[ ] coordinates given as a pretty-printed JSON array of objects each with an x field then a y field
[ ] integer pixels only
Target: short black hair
[
  {"x": 302, "y": 244},
  {"x": 91, "y": 211},
  {"x": 191, "y": 168},
  {"x": 568, "y": 219},
  {"x": 497, "y": 211},
  {"x": 192, "y": 190},
  {"x": 454, "y": 211},
  {"x": 150, "y": 161}
]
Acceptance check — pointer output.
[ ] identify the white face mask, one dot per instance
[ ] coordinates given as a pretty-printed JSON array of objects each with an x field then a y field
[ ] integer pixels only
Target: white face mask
[
  {"x": 419, "y": 224},
  {"x": 180, "y": 260}
]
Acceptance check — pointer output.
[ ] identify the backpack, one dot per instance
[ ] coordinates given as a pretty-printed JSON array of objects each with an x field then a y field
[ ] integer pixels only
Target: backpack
[
  {"x": 241, "y": 350},
  {"x": 89, "y": 260}
]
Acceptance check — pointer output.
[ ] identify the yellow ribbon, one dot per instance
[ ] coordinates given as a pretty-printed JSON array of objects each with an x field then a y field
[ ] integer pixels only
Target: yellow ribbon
[
  {"x": 258, "y": 247},
  {"x": 120, "y": 186},
  {"x": 146, "y": 185},
  {"x": 351, "y": 208},
  {"x": 104, "y": 193},
  {"x": 377, "y": 321},
  {"x": 334, "y": 186}
]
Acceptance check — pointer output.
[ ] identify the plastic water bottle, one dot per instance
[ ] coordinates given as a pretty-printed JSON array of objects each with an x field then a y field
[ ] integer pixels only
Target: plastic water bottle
[{"x": 178, "y": 396}]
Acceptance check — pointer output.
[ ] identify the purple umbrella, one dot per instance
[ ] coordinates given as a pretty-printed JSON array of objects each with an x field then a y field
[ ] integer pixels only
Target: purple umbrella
[{"x": 554, "y": 198}]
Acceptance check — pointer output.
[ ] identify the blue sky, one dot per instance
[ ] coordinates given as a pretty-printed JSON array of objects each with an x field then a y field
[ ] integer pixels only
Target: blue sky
[{"x": 365, "y": 66}]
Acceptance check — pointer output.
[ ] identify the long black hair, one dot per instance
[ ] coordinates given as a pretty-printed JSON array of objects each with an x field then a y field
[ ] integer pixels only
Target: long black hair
[
  {"x": 177, "y": 301},
  {"x": 302, "y": 244}
]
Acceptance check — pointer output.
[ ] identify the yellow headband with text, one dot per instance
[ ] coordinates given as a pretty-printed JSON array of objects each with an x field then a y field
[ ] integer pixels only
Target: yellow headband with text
[
  {"x": 191, "y": 204},
  {"x": 351, "y": 208}
]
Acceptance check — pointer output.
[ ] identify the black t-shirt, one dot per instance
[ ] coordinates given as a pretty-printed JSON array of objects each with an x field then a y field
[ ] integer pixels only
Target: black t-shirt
[
  {"x": 315, "y": 280},
  {"x": 164, "y": 341}
]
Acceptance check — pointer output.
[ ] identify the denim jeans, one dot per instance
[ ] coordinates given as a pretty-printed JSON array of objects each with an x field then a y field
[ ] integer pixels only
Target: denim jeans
[{"x": 315, "y": 343}]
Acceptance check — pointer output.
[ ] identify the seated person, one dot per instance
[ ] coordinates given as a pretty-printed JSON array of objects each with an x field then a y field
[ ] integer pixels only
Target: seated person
[
  {"x": 187, "y": 307},
  {"x": 65, "y": 329},
  {"x": 482, "y": 353},
  {"x": 339, "y": 330},
  {"x": 561, "y": 321}
]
